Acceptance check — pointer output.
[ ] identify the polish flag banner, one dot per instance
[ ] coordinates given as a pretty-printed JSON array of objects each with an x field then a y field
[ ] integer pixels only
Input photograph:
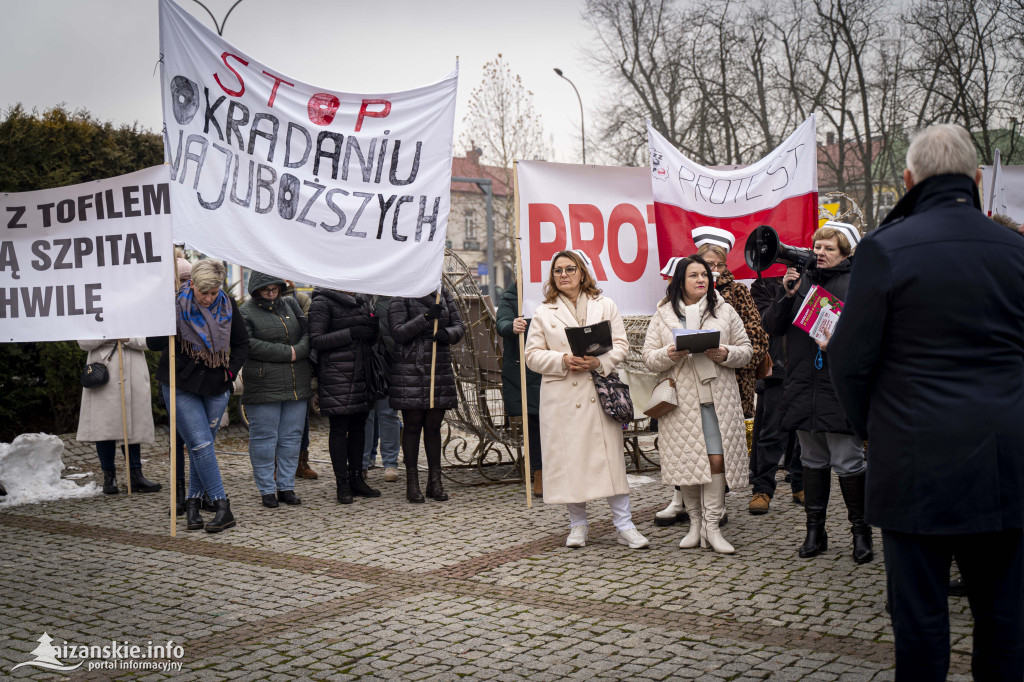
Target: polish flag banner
[{"x": 780, "y": 190}]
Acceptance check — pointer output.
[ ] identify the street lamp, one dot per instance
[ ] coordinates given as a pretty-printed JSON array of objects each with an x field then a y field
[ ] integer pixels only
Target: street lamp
[{"x": 583, "y": 136}]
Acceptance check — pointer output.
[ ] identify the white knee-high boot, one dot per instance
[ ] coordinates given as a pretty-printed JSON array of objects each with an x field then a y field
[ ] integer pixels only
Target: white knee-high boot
[
  {"x": 691, "y": 498},
  {"x": 714, "y": 509}
]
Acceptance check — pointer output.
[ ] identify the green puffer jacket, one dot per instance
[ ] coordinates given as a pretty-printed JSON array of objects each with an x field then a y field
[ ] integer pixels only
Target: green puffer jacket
[{"x": 269, "y": 374}]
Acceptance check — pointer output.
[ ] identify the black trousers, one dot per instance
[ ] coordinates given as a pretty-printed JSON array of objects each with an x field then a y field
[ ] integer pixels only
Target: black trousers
[
  {"x": 771, "y": 442},
  {"x": 992, "y": 566}
]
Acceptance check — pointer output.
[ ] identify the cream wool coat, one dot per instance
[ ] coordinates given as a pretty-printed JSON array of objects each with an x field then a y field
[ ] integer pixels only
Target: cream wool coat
[
  {"x": 100, "y": 416},
  {"x": 684, "y": 455},
  {"x": 582, "y": 446}
]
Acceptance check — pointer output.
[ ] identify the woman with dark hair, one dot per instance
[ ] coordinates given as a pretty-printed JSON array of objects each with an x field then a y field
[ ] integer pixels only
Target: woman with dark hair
[
  {"x": 210, "y": 347},
  {"x": 341, "y": 328},
  {"x": 583, "y": 451},
  {"x": 810, "y": 405},
  {"x": 702, "y": 441},
  {"x": 412, "y": 322},
  {"x": 277, "y": 386}
]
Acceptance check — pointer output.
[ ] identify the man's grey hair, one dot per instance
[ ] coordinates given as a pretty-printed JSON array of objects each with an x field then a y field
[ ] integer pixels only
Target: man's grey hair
[{"x": 942, "y": 149}]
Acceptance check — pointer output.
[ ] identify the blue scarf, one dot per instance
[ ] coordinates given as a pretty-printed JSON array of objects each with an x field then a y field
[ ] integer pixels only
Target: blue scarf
[{"x": 204, "y": 331}]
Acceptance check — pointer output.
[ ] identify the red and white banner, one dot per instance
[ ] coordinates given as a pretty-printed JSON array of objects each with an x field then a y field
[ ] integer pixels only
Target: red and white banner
[
  {"x": 780, "y": 190},
  {"x": 606, "y": 212},
  {"x": 342, "y": 190}
]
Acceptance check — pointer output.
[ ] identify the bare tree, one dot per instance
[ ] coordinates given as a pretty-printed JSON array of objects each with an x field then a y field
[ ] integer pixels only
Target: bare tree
[
  {"x": 502, "y": 123},
  {"x": 966, "y": 71}
]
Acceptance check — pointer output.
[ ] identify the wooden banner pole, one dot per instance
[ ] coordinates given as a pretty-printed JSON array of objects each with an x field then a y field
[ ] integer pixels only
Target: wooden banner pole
[
  {"x": 173, "y": 414},
  {"x": 433, "y": 350},
  {"x": 527, "y": 474},
  {"x": 124, "y": 416}
]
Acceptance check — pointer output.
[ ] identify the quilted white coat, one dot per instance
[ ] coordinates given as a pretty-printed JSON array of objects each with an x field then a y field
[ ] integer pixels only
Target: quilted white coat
[
  {"x": 581, "y": 445},
  {"x": 684, "y": 455}
]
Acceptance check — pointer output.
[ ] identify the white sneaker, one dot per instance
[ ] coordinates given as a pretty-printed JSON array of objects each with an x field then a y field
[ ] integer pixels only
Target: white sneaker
[
  {"x": 390, "y": 474},
  {"x": 633, "y": 539},
  {"x": 577, "y": 536}
]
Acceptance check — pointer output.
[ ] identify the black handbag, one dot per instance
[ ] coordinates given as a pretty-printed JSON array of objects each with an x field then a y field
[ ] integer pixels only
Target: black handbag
[
  {"x": 614, "y": 397},
  {"x": 378, "y": 367},
  {"x": 95, "y": 374}
]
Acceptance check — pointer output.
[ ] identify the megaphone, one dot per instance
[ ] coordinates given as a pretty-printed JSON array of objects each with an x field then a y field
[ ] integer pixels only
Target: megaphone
[{"x": 763, "y": 250}]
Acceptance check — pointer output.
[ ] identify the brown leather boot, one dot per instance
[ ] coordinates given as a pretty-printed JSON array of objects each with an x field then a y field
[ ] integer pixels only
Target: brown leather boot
[
  {"x": 538, "y": 483},
  {"x": 303, "y": 471}
]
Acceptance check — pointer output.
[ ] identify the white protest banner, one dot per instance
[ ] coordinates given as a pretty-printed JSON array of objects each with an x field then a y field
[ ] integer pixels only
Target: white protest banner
[
  {"x": 604, "y": 211},
  {"x": 89, "y": 261},
  {"x": 1003, "y": 189},
  {"x": 780, "y": 190},
  {"x": 335, "y": 189}
]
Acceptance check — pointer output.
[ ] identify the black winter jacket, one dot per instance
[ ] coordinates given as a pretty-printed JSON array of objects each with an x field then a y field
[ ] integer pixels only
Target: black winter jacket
[
  {"x": 341, "y": 359},
  {"x": 928, "y": 358},
  {"x": 275, "y": 328},
  {"x": 196, "y": 376},
  {"x": 764, "y": 292},
  {"x": 809, "y": 402},
  {"x": 410, "y": 365}
]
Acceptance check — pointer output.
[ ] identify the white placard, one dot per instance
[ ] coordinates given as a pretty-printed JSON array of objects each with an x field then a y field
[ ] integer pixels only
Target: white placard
[{"x": 88, "y": 261}]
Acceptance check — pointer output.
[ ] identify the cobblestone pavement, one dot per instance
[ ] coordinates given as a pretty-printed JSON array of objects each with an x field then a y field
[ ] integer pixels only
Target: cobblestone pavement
[{"x": 478, "y": 587}]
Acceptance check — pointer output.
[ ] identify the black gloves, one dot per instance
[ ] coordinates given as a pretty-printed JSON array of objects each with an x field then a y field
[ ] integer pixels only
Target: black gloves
[
  {"x": 442, "y": 336},
  {"x": 364, "y": 332},
  {"x": 433, "y": 312}
]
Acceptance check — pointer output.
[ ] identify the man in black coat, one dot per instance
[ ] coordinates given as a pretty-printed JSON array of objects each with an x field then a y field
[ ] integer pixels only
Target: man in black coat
[{"x": 928, "y": 363}]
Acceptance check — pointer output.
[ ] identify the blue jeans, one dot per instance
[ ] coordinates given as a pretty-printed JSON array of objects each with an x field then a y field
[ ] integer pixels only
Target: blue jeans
[
  {"x": 275, "y": 433},
  {"x": 198, "y": 421},
  {"x": 384, "y": 420}
]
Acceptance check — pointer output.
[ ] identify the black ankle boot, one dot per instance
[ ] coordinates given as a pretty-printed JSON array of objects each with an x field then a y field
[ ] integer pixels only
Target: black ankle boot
[
  {"x": 853, "y": 495},
  {"x": 193, "y": 521},
  {"x": 140, "y": 484},
  {"x": 344, "y": 489},
  {"x": 817, "y": 484},
  {"x": 110, "y": 483},
  {"x": 412, "y": 485},
  {"x": 359, "y": 485},
  {"x": 207, "y": 504},
  {"x": 224, "y": 518},
  {"x": 435, "y": 488},
  {"x": 179, "y": 496}
]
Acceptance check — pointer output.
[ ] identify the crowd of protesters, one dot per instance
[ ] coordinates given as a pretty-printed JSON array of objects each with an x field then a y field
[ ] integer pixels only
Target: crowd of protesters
[{"x": 927, "y": 364}]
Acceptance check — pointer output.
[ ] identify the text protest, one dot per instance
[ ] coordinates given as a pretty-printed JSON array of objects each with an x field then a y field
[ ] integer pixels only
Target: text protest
[
  {"x": 335, "y": 189},
  {"x": 88, "y": 261},
  {"x": 780, "y": 190},
  {"x": 604, "y": 211}
]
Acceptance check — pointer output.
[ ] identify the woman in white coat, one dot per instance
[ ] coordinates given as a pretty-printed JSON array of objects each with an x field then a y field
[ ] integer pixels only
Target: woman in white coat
[
  {"x": 702, "y": 442},
  {"x": 582, "y": 446},
  {"x": 99, "y": 420}
]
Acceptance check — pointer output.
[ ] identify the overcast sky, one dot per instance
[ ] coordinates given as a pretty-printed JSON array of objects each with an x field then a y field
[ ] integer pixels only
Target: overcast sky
[{"x": 101, "y": 54}]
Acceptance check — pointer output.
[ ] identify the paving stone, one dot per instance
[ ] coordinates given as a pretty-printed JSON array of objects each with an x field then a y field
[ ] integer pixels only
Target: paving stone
[{"x": 478, "y": 587}]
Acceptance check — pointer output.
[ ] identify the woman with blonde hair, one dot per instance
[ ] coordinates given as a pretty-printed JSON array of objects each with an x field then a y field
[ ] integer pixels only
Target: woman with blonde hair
[
  {"x": 702, "y": 441},
  {"x": 210, "y": 346},
  {"x": 584, "y": 462}
]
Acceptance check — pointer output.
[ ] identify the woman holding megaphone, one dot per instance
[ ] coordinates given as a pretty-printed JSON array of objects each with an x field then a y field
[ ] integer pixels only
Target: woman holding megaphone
[{"x": 810, "y": 405}]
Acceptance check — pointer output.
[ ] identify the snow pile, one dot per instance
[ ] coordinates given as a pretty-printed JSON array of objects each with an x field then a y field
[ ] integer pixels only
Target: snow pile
[{"x": 30, "y": 471}]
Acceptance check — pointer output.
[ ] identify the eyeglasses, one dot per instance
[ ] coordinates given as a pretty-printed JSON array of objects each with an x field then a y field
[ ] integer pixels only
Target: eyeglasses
[
  {"x": 571, "y": 270},
  {"x": 715, "y": 266},
  {"x": 271, "y": 291}
]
